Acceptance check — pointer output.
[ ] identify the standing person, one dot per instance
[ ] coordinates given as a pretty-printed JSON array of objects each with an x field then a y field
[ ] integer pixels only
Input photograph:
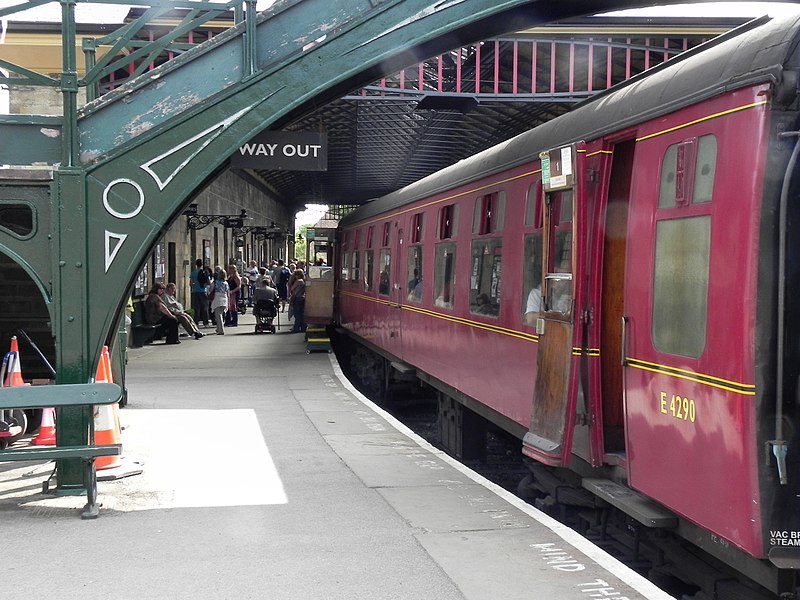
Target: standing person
[
  {"x": 293, "y": 277},
  {"x": 298, "y": 302},
  {"x": 157, "y": 313},
  {"x": 281, "y": 278},
  {"x": 234, "y": 289},
  {"x": 200, "y": 280},
  {"x": 176, "y": 308},
  {"x": 253, "y": 276},
  {"x": 219, "y": 300}
]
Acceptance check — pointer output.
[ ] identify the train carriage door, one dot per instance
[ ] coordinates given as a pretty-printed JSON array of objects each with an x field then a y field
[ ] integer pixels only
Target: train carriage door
[
  {"x": 550, "y": 435},
  {"x": 611, "y": 310},
  {"x": 398, "y": 285},
  {"x": 389, "y": 285}
]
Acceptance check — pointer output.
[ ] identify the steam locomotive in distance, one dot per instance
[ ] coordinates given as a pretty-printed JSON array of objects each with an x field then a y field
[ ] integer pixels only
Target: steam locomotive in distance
[{"x": 619, "y": 289}]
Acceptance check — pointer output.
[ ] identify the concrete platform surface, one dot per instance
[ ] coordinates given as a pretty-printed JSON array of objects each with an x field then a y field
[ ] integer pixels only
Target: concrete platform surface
[{"x": 266, "y": 475}]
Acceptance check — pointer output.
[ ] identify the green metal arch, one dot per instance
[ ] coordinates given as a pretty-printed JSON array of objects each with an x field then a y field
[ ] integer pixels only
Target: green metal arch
[{"x": 146, "y": 147}]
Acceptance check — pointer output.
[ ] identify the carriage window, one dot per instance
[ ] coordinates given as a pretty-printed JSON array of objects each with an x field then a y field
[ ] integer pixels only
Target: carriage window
[
  {"x": 680, "y": 290},
  {"x": 687, "y": 172},
  {"x": 355, "y": 272},
  {"x": 345, "y": 266},
  {"x": 369, "y": 237},
  {"x": 384, "y": 282},
  {"x": 705, "y": 169},
  {"x": 414, "y": 289},
  {"x": 385, "y": 238},
  {"x": 448, "y": 216},
  {"x": 416, "y": 228},
  {"x": 489, "y": 213},
  {"x": 559, "y": 270},
  {"x": 484, "y": 285},
  {"x": 566, "y": 207},
  {"x": 666, "y": 194},
  {"x": 368, "y": 256},
  {"x": 445, "y": 275},
  {"x": 499, "y": 211},
  {"x": 533, "y": 212},
  {"x": 532, "y": 279}
]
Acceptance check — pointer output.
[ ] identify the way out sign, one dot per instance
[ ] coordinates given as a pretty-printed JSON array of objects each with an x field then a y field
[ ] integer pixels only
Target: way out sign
[{"x": 280, "y": 150}]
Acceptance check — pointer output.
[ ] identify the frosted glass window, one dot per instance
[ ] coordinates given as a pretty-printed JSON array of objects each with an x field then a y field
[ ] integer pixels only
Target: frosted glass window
[{"x": 680, "y": 299}]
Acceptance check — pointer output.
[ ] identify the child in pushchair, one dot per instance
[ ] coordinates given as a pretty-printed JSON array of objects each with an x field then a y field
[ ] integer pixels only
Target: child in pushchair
[{"x": 265, "y": 311}]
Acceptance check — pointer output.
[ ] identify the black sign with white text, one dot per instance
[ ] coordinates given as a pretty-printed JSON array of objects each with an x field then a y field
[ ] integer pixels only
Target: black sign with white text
[{"x": 281, "y": 150}]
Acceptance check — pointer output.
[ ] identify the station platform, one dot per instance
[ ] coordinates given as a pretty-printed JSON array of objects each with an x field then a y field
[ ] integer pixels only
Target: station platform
[{"x": 266, "y": 475}]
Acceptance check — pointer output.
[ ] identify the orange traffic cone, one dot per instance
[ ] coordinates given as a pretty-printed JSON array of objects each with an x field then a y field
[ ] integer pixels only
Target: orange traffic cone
[
  {"x": 9, "y": 426},
  {"x": 107, "y": 430},
  {"x": 14, "y": 372},
  {"x": 47, "y": 430}
]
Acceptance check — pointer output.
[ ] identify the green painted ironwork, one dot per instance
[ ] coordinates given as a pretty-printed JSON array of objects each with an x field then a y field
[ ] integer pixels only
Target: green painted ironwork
[{"x": 131, "y": 158}]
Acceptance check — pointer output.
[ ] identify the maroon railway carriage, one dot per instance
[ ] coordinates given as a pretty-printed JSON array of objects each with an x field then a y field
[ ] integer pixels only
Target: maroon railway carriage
[{"x": 616, "y": 288}]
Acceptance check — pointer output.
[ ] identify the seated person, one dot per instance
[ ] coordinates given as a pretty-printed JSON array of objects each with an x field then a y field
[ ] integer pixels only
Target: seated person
[
  {"x": 415, "y": 287},
  {"x": 267, "y": 293},
  {"x": 483, "y": 305},
  {"x": 383, "y": 286},
  {"x": 560, "y": 292},
  {"x": 533, "y": 306},
  {"x": 176, "y": 308},
  {"x": 157, "y": 313}
]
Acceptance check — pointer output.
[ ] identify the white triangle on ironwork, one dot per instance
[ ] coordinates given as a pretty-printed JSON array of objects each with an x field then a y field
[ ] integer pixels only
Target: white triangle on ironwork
[
  {"x": 210, "y": 134},
  {"x": 112, "y": 253}
]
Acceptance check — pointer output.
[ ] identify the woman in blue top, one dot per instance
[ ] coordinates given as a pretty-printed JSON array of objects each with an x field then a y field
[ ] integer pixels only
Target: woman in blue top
[{"x": 219, "y": 300}]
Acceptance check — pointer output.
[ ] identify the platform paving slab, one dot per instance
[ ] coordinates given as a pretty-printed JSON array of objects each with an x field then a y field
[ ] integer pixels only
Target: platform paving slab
[{"x": 266, "y": 476}]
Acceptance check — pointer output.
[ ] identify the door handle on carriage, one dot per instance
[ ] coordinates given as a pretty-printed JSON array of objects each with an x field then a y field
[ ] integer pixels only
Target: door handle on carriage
[{"x": 624, "y": 345}]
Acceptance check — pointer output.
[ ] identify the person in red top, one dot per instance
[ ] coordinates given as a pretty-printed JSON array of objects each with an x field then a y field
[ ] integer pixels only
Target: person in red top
[
  {"x": 235, "y": 285},
  {"x": 156, "y": 312}
]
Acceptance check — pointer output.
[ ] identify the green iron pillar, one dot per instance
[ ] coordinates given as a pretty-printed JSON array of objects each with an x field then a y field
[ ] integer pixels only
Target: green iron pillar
[
  {"x": 90, "y": 60},
  {"x": 70, "y": 280},
  {"x": 249, "y": 39}
]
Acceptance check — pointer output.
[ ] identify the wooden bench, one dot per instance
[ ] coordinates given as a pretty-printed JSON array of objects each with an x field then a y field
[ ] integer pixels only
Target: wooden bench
[
  {"x": 143, "y": 332},
  {"x": 46, "y": 396}
]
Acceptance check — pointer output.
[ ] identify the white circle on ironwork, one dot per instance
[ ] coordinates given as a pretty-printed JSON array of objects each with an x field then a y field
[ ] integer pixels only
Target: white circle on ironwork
[{"x": 118, "y": 214}]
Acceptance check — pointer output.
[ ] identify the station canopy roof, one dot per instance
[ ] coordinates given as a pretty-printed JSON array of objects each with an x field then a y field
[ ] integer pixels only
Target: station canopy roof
[{"x": 414, "y": 122}]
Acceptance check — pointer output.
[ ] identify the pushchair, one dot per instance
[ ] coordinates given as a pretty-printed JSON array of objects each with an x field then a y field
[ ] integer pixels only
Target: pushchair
[
  {"x": 244, "y": 298},
  {"x": 265, "y": 311}
]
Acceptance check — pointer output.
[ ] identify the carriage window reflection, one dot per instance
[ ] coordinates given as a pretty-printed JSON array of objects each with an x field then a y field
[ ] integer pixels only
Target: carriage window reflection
[
  {"x": 484, "y": 286},
  {"x": 355, "y": 273},
  {"x": 368, "y": 261},
  {"x": 384, "y": 267}
]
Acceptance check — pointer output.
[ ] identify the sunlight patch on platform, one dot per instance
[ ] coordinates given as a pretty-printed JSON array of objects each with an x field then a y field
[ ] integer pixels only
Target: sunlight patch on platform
[{"x": 195, "y": 458}]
